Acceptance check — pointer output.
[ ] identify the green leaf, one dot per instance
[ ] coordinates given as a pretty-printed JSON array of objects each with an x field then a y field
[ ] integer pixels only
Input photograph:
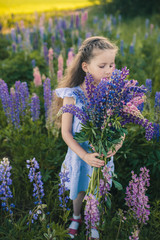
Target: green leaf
[
  {"x": 108, "y": 202},
  {"x": 117, "y": 185}
]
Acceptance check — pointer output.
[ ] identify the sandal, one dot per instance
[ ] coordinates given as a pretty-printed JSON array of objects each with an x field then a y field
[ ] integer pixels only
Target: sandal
[{"x": 74, "y": 231}]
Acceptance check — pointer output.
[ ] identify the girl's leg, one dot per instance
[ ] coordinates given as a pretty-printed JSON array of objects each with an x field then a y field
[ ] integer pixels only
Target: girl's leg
[{"x": 77, "y": 204}]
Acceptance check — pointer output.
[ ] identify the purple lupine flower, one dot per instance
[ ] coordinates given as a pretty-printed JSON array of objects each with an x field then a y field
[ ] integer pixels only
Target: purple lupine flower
[
  {"x": 77, "y": 20},
  {"x": 156, "y": 134},
  {"x": 5, "y": 98},
  {"x": 71, "y": 22},
  {"x": 157, "y": 100},
  {"x": 157, "y": 107},
  {"x": 50, "y": 25},
  {"x": 45, "y": 51},
  {"x": 91, "y": 212},
  {"x": 105, "y": 183},
  {"x": 5, "y": 182},
  {"x": 38, "y": 191},
  {"x": 122, "y": 47},
  {"x": 136, "y": 199},
  {"x": 64, "y": 178},
  {"x": 131, "y": 49},
  {"x": 76, "y": 111},
  {"x": 33, "y": 63},
  {"x": 13, "y": 35},
  {"x": 149, "y": 85},
  {"x": 47, "y": 95},
  {"x": 35, "y": 107},
  {"x": 14, "y": 46}
]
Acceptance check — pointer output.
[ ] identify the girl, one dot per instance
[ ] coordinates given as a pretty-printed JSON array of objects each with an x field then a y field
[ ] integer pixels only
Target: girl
[{"x": 97, "y": 57}]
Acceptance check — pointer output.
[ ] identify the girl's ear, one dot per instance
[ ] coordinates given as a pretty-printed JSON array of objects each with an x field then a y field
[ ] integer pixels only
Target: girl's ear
[{"x": 84, "y": 67}]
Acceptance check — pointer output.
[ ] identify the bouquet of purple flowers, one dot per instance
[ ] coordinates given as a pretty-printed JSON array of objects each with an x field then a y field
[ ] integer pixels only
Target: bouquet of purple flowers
[{"x": 107, "y": 108}]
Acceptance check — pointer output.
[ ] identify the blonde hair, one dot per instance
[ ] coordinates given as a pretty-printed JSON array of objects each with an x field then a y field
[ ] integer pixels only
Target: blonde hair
[{"x": 74, "y": 75}]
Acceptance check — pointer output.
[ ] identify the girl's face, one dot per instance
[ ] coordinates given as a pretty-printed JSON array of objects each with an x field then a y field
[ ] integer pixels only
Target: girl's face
[{"x": 101, "y": 65}]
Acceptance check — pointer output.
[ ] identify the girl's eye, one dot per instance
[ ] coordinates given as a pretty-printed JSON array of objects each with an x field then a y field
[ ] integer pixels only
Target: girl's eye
[{"x": 101, "y": 66}]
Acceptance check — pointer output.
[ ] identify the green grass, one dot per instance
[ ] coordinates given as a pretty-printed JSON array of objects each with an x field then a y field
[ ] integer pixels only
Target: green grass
[{"x": 30, "y": 6}]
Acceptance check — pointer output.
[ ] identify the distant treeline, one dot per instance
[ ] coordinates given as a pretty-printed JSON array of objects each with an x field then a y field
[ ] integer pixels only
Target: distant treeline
[{"x": 130, "y": 8}]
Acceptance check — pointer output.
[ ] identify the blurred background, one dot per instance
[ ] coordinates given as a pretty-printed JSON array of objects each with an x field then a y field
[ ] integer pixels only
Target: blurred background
[{"x": 38, "y": 41}]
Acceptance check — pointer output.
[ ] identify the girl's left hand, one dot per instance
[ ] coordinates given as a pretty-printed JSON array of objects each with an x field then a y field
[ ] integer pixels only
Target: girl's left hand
[{"x": 117, "y": 147}]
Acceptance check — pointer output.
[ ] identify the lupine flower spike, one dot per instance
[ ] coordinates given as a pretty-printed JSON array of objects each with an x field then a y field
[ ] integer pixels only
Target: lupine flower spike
[
  {"x": 38, "y": 191},
  {"x": 5, "y": 182}
]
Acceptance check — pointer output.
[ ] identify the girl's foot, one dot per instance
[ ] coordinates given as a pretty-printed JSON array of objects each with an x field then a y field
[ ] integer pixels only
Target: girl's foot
[{"x": 73, "y": 227}]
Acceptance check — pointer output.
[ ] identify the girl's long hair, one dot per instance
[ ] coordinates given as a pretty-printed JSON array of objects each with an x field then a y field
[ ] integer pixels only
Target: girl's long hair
[{"x": 74, "y": 74}]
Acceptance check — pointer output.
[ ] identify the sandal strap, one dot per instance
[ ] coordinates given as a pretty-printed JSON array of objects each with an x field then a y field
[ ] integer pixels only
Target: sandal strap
[
  {"x": 76, "y": 220},
  {"x": 73, "y": 231}
]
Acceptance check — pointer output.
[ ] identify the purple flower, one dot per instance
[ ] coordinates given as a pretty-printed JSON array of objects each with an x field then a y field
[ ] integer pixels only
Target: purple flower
[
  {"x": 35, "y": 107},
  {"x": 105, "y": 183},
  {"x": 136, "y": 199},
  {"x": 149, "y": 85},
  {"x": 91, "y": 212},
  {"x": 38, "y": 191},
  {"x": 64, "y": 178},
  {"x": 47, "y": 95},
  {"x": 45, "y": 50},
  {"x": 156, "y": 133},
  {"x": 5, "y": 182}
]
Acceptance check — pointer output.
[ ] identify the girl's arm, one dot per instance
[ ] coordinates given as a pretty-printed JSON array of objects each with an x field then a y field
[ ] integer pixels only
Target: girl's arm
[{"x": 66, "y": 130}]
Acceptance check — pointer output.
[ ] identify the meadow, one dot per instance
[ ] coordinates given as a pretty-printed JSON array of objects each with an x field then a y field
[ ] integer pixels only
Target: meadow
[
  {"x": 19, "y": 7},
  {"x": 35, "y": 51}
]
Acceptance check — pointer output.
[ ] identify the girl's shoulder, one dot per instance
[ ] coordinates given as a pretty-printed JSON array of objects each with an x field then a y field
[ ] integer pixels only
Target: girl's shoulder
[{"x": 66, "y": 92}]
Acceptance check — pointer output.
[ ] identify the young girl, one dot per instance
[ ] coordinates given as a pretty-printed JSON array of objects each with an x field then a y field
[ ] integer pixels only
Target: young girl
[{"x": 97, "y": 57}]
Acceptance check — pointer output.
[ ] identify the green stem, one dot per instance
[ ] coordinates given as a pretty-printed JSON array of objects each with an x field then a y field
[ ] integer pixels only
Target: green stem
[{"x": 119, "y": 229}]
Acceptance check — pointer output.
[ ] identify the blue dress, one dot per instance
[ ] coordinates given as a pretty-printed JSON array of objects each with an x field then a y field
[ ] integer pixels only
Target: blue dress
[{"x": 79, "y": 170}]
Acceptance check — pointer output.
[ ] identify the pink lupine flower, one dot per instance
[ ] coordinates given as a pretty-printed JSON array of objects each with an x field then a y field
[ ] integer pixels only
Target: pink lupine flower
[
  {"x": 59, "y": 75},
  {"x": 84, "y": 17},
  {"x": 60, "y": 63},
  {"x": 92, "y": 215},
  {"x": 37, "y": 77},
  {"x": 137, "y": 100},
  {"x": 135, "y": 234},
  {"x": 133, "y": 110},
  {"x": 70, "y": 58},
  {"x": 131, "y": 83},
  {"x": 50, "y": 57}
]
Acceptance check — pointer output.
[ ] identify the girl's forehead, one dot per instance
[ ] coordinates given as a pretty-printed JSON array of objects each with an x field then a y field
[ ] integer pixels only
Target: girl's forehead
[{"x": 103, "y": 54}]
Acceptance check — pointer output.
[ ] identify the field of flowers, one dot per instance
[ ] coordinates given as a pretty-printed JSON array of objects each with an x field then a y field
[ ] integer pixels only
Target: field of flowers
[{"x": 33, "y": 57}]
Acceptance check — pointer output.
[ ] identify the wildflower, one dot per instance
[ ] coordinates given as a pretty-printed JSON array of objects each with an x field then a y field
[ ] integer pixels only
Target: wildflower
[
  {"x": 135, "y": 234},
  {"x": 91, "y": 212},
  {"x": 149, "y": 85},
  {"x": 64, "y": 178},
  {"x": 38, "y": 191},
  {"x": 70, "y": 58},
  {"x": 50, "y": 57},
  {"x": 35, "y": 107},
  {"x": 5, "y": 182},
  {"x": 37, "y": 77},
  {"x": 47, "y": 95},
  {"x": 45, "y": 51},
  {"x": 136, "y": 199}
]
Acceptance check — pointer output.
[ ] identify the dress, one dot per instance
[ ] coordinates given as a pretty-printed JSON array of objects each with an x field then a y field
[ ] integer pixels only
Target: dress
[{"x": 79, "y": 170}]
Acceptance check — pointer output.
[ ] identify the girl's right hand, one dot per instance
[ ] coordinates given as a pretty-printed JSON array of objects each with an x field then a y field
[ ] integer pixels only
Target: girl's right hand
[{"x": 92, "y": 160}]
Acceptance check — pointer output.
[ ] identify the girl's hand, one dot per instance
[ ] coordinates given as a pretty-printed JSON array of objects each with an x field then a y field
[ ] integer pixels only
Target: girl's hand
[
  {"x": 117, "y": 147},
  {"x": 92, "y": 160}
]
